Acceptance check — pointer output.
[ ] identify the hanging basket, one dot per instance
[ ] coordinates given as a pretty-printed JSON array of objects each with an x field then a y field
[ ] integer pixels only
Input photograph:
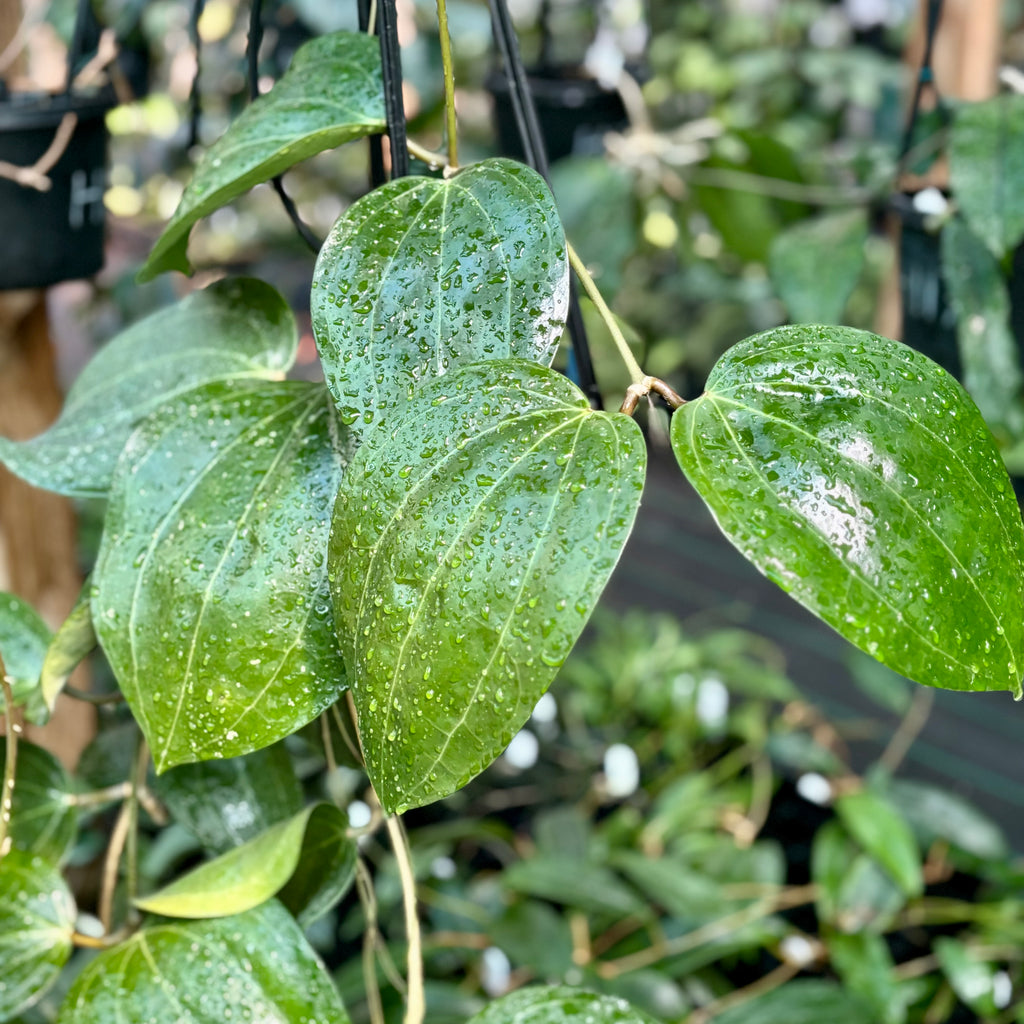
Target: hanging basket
[{"x": 57, "y": 234}]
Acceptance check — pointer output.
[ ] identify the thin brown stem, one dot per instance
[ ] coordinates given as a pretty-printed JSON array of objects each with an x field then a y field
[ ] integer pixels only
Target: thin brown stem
[
  {"x": 92, "y": 698},
  {"x": 415, "y": 1006},
  {"x": 112, "y": 865},
  {"x": 364, "y": 886},
  {"x": 909, "y": 729},
  {"x": 350, "y": 743},
  {"x": 642, "y": 388},
  {"x": 84, "y": 941},
  {"x": 772, "y": 980},
  {"x": 325, "y": 736}
]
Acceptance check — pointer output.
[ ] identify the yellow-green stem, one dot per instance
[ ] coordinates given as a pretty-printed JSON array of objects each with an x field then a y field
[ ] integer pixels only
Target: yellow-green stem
[
  {"x": 10, "y": 762},
  {"x": 636, "y": 374},
  {"x": 415, "y": 1005},
  {"x": 449, "y": 83}
]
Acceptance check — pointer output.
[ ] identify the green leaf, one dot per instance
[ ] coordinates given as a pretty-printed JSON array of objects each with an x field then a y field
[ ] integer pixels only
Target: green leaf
[
  {"x": 877, "y": 826},
  {"x": 970, "y": 977},
  {"x": 234, "y": 328},
  {"x": 573, "y": 883},
  {"x": 867, "y": 898},
  {"x": 423, "y": 275},
  {"x": 837, "y": 462},
  {"x": 986, "y": 165},
  {"x": 533, "y": 935},
  {"x": 816, "y": 263},
  {"x": 804, "y": 1001},
  {"x": 206, "y": 972},
  {"x": 248, "y": 875},
  {"x": 470, "y": 543},
  {"x": 559, "y": 1004},
  {"x": 233, "y": 648},
  {"x": 24, "y": 638},
  {"x": 43, "y": 818},
  {"x": 226, "y": 803},
  {"x": 988, "y": 349},
  {"x": 679, "y": 889},
  {"x": 71, "y": 644},
  {"x": 865, "y": 965},
  {"x": 37, "y": 917},
  {"x": 331, "y": 94}
]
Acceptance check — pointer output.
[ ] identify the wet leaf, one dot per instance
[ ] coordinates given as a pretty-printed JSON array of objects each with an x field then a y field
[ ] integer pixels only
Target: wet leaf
[
  {"x": 226, "y": 803},
  {"x": 804, "y": 1001},
  {"x": 43, "y": 819},
  {"x": 24, "y": 638},
  {"x": 470, "y": 543},
  {"x": 986, "y": 164},
  {"x": 37, "y": 917},
  {"x": 560, "y": 1004},
  {"x": 816, "y": 263},
  {"x": 248, "y": 875},
  {"x": 234, "y": 328},
  {"x": 211, "y": 598},
  {"x": 424, "y": 275},
  {"x": 205, "y": 972},
  {"x": 331, "y": 94},
  {"x": 837, "y": 462},
  {"x": 70, "y": 646}
]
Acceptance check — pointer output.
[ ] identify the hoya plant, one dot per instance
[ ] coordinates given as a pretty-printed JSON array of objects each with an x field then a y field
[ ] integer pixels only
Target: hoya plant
[{"x": 403, "y": 556}]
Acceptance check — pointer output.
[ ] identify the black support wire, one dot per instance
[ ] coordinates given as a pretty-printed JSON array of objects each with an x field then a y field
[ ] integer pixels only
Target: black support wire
[
  {"x": 532, "y": 139},
  {"x": 252, "y": 53},
  {"x": 377, "y": 173},
  {"x": 925, "y": 77},
  {"x": 194, "y": 98},
  {"x": 391, "y": 64}
]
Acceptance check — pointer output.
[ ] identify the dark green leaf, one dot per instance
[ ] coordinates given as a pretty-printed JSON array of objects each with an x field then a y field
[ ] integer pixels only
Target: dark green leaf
[
  {"x": 234, "y": 328},
  {"x": 878, "y": 827},
  {"x": 71, "y": 644},
  {"x": 533, "y": 935},
  {"x": 233, "y": 648},
  {"x": 571, "y": 883},
  {"x": 226, "y": 803},
  {"x": 804, "y": 1001},
  {"x": 424, "y": 275},
  {"x": 867, "y": 898},
  {"x": 986, "y": 165},
  {"x": 837, "y": 462},
  {"x": 37, "y": 917},
  {"x": 988, "y": 349},
  {"x": 24, "y": 638},
  {"x": 816, "y": 263},
  {"x": 331, "y": 94},
  {"x": 206, "y": 972},
  {"x": 673, "y": 885},
  {"x": 832, "y": 854},
  {"x": 470, "y": 543},
  {"x": 865, "y": 965},
  {"x": 248, "y": 875},
  {"x": 559, "y": 1004},
  {"x": 970, "y": 976},
  {"x": 43, "y": 817}
]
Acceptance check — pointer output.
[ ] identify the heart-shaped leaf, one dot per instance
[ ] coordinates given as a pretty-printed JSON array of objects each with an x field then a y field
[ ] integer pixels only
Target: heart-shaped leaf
[
  {"x": 24, "y": 638},
  {"x": 37, "y": 917},
  {"x": 226, "y": 803},
  {"x": 986, "y": 164},
  {"x": 43, "y": 818},
  {"x": 470, "y": 543},
  {"x": 332, "y": 93},
  {"x": 840, "y": 464},
  {"x": 423, "y": 275},
  {"x": 71, "y": 644},
  {"x": 211, "y": 598},
  {"x": 234, "y": 328},
  {"x": 560, "y": 1004},
  {"x": 206, "y": 972},
  {"x": 244, "y": 877}
]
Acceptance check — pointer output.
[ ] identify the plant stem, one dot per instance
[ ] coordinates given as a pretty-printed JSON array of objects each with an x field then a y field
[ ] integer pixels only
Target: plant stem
[
  {"x": 772, "y": 980},
  {"x": 428, "y": 156},
  {"x": 415, "y": 1006},
  {"x": 449, "y": 83},
  {"x": 10, "y": 762},
  {"x": 913, "y": 722},
  {"x": 636, "y": 374},
  {"x": 364, "y": 886},
  {"x": 138, "y": 781}
]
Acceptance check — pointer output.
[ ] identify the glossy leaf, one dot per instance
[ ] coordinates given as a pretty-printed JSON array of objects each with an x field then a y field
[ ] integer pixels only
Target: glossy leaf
[
  {"x": 234, "y": 328},
  {"x": 816, "y": 263},
  {"x": 211, "y": 598},
  {"x": 986, "y": 164},
  {"x": 837, "y": 462},
  {"x": 24, "y": 638},
  {"x": 43, "y": 818},
  {"x": 248, "y": 875},
  {"x": 331, "y": 94},
  {"x": 206, "y": 972},
  {"x": 226, "y": 803},
  {"x": 37, "y": 917},
  {"x": 877, "y": 826},
  {"x": 559, "y": 1004},
  {"x": 469, "y": 546},
  {"x": 803, "y": 1001},
  {"x": 423, "y": 275},
  {"x": 988, "y": 350},
  {"x": 70, "y": 646}
]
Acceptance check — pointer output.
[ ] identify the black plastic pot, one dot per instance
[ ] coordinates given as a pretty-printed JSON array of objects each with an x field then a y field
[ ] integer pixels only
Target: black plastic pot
[
  {"x": 573, "y": 110},
  {"x": 55, "y": 235}
]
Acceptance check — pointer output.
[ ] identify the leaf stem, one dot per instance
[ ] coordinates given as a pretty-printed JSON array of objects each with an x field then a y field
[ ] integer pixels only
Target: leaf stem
[
  {"x": 428, "y": 156},
  {"x": 10, "y": 762},
  {"x": 636, "y": 374},
  {"x": 449, "y": 83},
  {"x": 415, "y": 1006},
  {"x": 364, "y": 886}
]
